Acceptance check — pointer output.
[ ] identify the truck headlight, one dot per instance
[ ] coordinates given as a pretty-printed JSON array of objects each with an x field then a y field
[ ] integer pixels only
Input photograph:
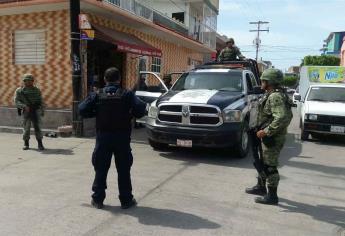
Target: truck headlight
[
  {"x": 153, "y": 112},
  {"x": 312, "y": 117},
  {"x": 232, "y": 115}
]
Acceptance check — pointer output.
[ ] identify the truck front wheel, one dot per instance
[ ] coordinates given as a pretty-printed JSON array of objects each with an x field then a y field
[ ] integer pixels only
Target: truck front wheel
[{"x": 243, "y": 144}]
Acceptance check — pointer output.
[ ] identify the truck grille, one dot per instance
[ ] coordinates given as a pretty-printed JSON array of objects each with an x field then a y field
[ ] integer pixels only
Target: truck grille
[
  {"x": 190, "y": 115},
  {"x": 336, "y": 120}
]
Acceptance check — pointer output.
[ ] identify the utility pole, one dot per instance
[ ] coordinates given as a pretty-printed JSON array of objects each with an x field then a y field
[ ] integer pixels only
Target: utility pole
[
  {"x": 76, "y": 66},
  {"x": 258, "y": 30}
]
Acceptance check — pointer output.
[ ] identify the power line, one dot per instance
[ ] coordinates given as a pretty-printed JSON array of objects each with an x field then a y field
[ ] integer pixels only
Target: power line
[{"x": 258, "y": 30}]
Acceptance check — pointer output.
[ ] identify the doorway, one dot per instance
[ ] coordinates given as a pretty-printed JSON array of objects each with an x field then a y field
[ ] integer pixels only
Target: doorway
[{"x": 100, "y": 56}]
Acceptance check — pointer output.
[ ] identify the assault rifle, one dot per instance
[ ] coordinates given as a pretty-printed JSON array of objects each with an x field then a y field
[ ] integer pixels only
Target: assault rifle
[{"x": 33, "y": 109}]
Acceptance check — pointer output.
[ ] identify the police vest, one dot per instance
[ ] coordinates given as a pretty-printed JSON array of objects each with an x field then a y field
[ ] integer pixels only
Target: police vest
[{"x": 113, "y": 111}]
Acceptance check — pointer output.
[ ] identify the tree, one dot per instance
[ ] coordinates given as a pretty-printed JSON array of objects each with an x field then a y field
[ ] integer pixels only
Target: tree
[
  {"x": 324, "y": 60},
  {"x": 290, "y": 81}
]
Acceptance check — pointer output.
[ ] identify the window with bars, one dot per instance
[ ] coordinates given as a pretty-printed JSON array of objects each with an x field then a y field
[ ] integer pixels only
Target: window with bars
[
  {"x": 156, "y": 64},
  {"x": 30, "y": 47}
]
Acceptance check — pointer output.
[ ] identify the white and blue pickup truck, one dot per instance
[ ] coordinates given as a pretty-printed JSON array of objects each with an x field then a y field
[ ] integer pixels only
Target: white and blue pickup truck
[{"x": 213, "y": 106}]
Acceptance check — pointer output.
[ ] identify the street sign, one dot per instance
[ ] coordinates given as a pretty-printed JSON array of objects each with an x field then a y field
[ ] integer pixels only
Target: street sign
[
  {"x": 84, "y": 22},
  {"x": 87, "y": 34}
]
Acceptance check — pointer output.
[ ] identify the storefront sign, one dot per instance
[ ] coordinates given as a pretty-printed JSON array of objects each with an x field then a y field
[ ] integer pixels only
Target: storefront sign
[
  {"x": 87, "y": 34},
  {"x": 334, "y": 74},
  {"x": 124, "y": 47}
]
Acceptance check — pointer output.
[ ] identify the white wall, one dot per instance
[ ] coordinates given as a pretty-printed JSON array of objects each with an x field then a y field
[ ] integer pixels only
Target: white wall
[{"x": 167, "y": 7}]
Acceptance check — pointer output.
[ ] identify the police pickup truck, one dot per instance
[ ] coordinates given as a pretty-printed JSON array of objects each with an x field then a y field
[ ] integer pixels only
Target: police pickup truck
[{"x": 212, "y": 106}]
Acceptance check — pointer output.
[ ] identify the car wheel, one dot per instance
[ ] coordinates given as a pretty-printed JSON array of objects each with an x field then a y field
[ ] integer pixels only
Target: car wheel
[
  {"x": 304, "y": 135},
  {"x": 243, "y": 144},
  {"x": 157, "y": 145}
]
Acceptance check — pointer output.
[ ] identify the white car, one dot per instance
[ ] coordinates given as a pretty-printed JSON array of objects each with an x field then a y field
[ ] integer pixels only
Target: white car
[{"x": 323, "y": 110}]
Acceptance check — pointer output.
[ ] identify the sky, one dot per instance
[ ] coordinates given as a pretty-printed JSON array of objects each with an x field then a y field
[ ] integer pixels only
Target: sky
[{"x": 297, "y": 27}]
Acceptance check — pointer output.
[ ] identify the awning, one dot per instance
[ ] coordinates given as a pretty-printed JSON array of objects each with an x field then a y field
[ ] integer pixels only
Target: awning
[{"x": 126, "y": 42}]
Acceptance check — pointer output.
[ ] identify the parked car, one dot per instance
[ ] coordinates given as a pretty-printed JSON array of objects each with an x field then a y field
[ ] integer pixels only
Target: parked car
[{"x": 321, "y": 100}]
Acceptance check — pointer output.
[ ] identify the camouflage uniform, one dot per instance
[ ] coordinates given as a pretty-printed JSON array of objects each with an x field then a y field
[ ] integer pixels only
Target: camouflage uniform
[
  {"x": 273, "y": 120},
  {"x": 274, "y": 110},
  {"x": 230, "y": 54},
  {"x": 30, "y": 97}
]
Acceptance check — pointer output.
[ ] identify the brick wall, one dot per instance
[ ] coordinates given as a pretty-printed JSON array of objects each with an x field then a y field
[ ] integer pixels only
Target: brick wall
[
  {"x": 54, "y": 77},
  {"x": 175, "y": 58}
]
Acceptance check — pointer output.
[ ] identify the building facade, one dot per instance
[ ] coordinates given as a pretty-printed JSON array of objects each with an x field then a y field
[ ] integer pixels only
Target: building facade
[
  {"x": 35, "y": 38},
  {"x": 332, "y": 45},
  {"x": 294, "y": 69}
]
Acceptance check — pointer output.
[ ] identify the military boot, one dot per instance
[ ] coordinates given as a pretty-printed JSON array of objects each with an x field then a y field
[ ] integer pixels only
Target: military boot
[
  {"x": 270, "y": 198},
  {"x": 259, "y": 188},
  {"x": 40, "y": 144},
  {"x": 26, "y": 145}
]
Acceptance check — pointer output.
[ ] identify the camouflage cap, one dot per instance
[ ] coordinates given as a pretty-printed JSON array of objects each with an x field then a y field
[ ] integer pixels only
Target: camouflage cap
[
  {"x": 272, "y": 76},
  {"x": 27, "y": 77},
  {"x": 230, "y": 40}
]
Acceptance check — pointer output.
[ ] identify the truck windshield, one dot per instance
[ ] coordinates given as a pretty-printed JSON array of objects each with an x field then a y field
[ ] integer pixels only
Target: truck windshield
[
  {"x": 227, "y": 81},
  {"x": 327, "y": 94}
]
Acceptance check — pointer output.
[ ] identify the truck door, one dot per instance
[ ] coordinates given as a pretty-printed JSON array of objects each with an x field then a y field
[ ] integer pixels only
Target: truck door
[
  {"x": 253, "y": 99},
  {"x": 150, "y": 87}
]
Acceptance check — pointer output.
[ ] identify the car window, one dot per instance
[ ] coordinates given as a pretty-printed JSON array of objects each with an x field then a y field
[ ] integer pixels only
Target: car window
[
  {"x": 228, "y": 81},
  {"x": 249, "y": 82},
  {"x": 149, "y": 83},
  {"x": 327, "y": 94},
  {"x": 252, "y": 78}
]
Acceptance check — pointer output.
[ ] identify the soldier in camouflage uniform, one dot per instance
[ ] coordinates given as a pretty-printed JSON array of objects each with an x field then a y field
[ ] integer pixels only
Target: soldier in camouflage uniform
[
  {"x": 230, "y": 52},
  {"x": 29, "y": 102},
  {"x": 274, "y": 118}
]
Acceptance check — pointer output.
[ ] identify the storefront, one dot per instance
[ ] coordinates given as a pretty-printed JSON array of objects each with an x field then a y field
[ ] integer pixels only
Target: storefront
[
  {"x": 110, "y": 48},
  {"x": 38, "y": 42}
]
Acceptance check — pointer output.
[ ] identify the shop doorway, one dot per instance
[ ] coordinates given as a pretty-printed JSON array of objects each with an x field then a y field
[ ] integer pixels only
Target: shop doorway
[{"x": 100, "y": 56}]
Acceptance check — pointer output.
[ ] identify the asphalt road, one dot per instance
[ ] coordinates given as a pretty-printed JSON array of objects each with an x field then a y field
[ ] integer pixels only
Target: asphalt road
[{"x": 180, "y": 191}]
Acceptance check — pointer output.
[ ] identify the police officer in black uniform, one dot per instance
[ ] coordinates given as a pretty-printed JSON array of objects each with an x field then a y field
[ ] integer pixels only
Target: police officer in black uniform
[{"x": 113, "y": 108}]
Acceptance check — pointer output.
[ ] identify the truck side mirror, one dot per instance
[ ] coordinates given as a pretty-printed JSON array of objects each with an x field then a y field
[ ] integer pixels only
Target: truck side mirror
[{"x": 297, "y": 97}]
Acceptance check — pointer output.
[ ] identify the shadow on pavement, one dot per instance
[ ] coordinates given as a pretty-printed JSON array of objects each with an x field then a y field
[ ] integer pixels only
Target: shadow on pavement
[
  {"x": 330, "y": 214},
  {"x": 57, "y": 151},
  {"x": 333, "y": 170},
  {"x": 165, "y": 218},
  {"x": 329, "y": 140},
  {"x": 292, "y": 148},
  {"x": 207, "y": 156}
]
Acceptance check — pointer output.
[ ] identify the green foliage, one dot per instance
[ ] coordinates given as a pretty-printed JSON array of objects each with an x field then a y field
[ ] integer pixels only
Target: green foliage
[
  {"x": 290, "y": 81},
  {"x": 324, "y": 60}
]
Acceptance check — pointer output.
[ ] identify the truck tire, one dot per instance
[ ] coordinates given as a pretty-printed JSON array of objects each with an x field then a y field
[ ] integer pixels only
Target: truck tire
[
  {"x": 304, "y": 134},
  {"x": 157, "y": 146},
  {"x": 242, "y": 148}
]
